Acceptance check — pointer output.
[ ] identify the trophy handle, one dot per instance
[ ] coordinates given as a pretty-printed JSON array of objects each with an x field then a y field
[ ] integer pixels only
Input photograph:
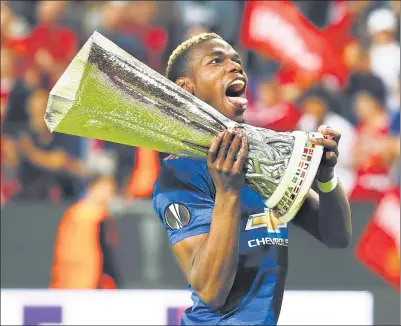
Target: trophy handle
[{"x": 298, "y": 178}]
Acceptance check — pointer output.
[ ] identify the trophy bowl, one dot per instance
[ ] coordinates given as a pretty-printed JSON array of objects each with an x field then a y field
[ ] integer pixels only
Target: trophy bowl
[{"x": 107, "y": 94}]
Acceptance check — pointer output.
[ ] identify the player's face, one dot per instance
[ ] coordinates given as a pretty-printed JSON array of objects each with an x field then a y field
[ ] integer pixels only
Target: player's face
[{"x": 218, "y": 78}]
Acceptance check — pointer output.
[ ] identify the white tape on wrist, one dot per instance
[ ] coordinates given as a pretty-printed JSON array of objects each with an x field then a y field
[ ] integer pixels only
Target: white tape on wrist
[{"x": 328, "y": 186}]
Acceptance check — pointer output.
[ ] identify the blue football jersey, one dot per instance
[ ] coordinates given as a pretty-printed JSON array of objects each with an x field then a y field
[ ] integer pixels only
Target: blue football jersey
[{"x": 184, "y": 200}]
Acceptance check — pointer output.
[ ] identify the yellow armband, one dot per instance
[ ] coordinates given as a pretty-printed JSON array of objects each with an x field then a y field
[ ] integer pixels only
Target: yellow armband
[{"x": 328, "y": 186}]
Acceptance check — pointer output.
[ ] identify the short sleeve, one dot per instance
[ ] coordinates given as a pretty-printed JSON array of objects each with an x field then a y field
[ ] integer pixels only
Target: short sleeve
[{"x": 183, "y": 199}]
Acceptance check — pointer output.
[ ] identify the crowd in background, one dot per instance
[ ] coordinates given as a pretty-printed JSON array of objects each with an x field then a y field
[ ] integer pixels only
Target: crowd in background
[{"x": 40, "y": 38}]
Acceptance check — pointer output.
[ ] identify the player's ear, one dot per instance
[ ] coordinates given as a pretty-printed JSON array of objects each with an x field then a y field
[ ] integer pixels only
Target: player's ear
[{"x": 186, "y": 83}]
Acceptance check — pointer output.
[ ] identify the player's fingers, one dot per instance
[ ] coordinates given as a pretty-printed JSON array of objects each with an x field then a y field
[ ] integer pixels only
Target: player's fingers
[
  {"x": 242, "y": 155},
  {"x": 233, "y": 150},
  {"x": 214, "y": 147},
  {"x": 327, "y": 131},
  {"x": 224, "y": 146},
  {"x": 328, "y": 144}
]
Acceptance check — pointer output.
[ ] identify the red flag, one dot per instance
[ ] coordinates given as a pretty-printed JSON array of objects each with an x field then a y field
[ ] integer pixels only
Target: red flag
[
  {"x": 338, "y": 29},
  {"x": 379, "y": 246},
  {"x": 278, "y": 30}
]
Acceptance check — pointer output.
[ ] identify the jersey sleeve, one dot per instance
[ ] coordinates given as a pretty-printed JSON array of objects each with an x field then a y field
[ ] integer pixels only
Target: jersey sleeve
[{"x": 183, "y": 200}]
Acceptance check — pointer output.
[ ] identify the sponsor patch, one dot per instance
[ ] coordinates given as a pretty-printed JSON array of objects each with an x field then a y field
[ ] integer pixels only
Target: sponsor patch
[
  {"x": 177, "y": 216},
  {"x": 266, "y": 219}
]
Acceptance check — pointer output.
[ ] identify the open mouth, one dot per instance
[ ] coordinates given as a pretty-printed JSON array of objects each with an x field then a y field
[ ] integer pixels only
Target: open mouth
[
  {"x": 235, "y": 92},
  {"x": 236, "y": 88}
]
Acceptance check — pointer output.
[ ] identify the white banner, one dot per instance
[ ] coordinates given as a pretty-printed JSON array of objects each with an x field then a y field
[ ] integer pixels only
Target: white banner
[{"x": 156, "y": 307}]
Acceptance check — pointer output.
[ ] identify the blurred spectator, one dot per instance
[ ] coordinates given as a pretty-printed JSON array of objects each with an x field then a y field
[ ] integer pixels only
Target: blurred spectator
[
  {"x": 141, "y": 16},
  {"x": 100, "y": 158},
  {"x": 195, "y": 30},
  {"x": 361, "y": 78},
  {"x": 110, "y": 159},
  {"x": 222, "y": 17},
  {"x": 50, "y": 45},
  {"x": 197, "y": 13},
  {"x": 318, "y": 108},
  {"x": 396, "y": 103},
  {"x": 358, "y": 12},
  {"x": 112, "y": 13},
  {"x": 13, "y": 116},
  {"x": 229, "y": 18},
  {"x": 12, "y": 26},
  {"x": 24, "y": 9},
  {"x": 82, "y": 257},
  {"x": 46, "y": 169},
  {"x": 92, "y": 17},
  {"x": 7, "y": 78},
  {"x": 144, "y": 174},
  {"x": 14, "y": 92},
  {"x": 73, "y": 19},
  {"x": 396, "y": 6},
  {"x": 9, "y": 185},
  {"x": 355, "y": 57},
  {"x": 384, "y": 49},
  {"x": 269, "y": 110},
  {"x": 140, "y": 24},
  {"x": 394, "y": 149},
  {"x": 370, "y": 151},
  {"x": 394, "y": 142},
  {"x": 170, "y": 18}
]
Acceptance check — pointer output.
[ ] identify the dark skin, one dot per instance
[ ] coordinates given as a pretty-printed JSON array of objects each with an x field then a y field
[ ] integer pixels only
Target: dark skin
[
  {"x": 210, "y": 260},
  {"x": 213, "y": 66}
]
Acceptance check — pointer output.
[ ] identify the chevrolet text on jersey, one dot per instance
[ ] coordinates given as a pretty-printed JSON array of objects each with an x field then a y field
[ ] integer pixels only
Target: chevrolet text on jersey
[{"x": 267, "y": 241}]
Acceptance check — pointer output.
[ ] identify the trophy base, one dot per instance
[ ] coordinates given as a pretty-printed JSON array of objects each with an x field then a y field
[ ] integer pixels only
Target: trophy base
[{"x": 295, "y": 184}]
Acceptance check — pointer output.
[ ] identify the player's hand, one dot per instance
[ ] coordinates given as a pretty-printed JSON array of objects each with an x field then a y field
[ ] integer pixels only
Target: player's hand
[
  {"x": 330, "y": 155},
  {"x": 224, "y": 166}
]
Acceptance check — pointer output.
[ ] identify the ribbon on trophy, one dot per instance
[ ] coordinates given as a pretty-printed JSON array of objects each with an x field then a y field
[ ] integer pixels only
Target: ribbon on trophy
[{"x": 107, "y": 94}]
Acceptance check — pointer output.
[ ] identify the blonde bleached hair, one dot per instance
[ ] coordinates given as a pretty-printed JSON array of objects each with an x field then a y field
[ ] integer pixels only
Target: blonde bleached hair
[{"x": 174, "y": 68}]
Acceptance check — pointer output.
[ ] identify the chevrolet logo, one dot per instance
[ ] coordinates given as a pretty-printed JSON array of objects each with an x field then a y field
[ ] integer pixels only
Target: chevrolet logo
[{"x": 266, "y": 219}]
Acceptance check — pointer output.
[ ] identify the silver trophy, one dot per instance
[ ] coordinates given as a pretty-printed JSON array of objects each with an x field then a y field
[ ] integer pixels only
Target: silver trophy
[{"x": 107, "y": 94}]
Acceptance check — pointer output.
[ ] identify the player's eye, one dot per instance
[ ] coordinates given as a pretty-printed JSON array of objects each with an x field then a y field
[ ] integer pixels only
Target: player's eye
[{"x": 216, "y": 60}]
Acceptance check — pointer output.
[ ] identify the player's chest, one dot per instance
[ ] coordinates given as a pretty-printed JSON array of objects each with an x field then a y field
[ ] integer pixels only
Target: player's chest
[{"x": 259, "y": 230}]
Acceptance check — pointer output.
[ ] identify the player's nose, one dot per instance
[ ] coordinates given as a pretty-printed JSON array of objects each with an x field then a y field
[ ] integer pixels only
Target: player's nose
[{"x": 235, "y": 67}]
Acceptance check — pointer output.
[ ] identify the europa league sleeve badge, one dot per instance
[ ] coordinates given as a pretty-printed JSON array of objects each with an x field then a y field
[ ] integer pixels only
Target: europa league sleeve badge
[{"x": 177, "y": 216}]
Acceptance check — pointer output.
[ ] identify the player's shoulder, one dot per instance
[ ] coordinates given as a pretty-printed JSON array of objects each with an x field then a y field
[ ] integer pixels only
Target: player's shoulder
[
  {"x": 176, "y": 160},
  {"x": 181, "y": 172},
  {"x": 183, "y": 167}
]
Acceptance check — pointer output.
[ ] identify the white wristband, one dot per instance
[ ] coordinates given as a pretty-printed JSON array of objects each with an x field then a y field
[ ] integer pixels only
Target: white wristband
[{"x": 328, "y": 186}]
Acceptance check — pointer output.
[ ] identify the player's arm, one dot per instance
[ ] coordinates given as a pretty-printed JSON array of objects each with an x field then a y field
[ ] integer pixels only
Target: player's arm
[
  {"x": 210, "y": 260},
  {"x": 327, "y": 215}
]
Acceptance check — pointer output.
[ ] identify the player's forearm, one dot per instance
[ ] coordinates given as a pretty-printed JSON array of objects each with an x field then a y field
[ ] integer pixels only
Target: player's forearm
[
  {"x": 335, "y": 218},
  {"x": 215, "y": 264}
]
